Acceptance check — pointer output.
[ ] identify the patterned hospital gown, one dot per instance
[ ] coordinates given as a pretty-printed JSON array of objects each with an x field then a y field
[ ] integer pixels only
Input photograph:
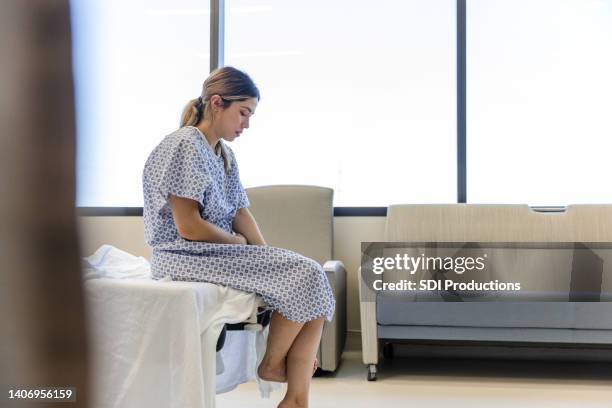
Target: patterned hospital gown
[{"x": 185, "y": 165}]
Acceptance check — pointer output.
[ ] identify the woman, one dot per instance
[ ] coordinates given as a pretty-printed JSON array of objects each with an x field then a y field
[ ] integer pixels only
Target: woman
[{"x": 197, "y": 221}]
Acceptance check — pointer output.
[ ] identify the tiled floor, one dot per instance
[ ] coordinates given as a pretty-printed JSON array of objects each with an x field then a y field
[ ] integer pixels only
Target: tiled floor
[{"x": 449, "y": 383}]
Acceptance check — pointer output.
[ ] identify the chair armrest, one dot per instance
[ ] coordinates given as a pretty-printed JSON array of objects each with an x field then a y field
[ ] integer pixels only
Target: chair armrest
[
  {"x": 369, "y": 329},
  {"x": 334, "y": 332},
  {"x": 334, "y": 266},
  {"x": 336, "y": 275}
]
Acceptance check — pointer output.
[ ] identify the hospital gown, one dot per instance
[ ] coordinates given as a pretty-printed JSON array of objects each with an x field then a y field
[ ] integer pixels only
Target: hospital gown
[{"x": 185, "y": 165}]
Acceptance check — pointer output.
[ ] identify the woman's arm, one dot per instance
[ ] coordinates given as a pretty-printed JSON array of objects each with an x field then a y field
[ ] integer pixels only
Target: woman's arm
[
  {"x": 191, "y": 226},
  {"x": 244, "y": 223}
]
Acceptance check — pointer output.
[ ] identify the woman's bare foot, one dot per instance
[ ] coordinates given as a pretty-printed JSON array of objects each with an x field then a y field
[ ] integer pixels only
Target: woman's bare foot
[{"x": 271, "y": 372}]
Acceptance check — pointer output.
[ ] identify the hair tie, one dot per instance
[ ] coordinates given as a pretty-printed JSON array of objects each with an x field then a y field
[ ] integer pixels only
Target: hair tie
[{"x": 198, "y": 106}]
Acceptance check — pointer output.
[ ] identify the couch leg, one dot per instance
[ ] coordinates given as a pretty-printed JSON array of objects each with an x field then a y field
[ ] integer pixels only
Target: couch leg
[{"x": 371, "y": 372}]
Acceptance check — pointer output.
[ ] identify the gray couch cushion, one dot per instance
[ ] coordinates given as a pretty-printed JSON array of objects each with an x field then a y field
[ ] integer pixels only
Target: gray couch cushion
[
  {"x": 563, "y": 315},
  {"x": 494, "y": 334}
]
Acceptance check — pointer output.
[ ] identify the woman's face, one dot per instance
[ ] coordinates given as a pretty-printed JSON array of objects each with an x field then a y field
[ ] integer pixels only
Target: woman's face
[{"x": 235, "y": 118}]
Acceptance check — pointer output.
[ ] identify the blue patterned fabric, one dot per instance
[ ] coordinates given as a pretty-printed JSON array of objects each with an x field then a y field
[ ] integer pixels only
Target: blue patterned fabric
[{"x": 185, "y": 165}]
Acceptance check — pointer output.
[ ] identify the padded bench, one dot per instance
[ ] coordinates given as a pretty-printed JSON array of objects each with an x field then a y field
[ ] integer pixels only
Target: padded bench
[{"x": 398, "y": 317}]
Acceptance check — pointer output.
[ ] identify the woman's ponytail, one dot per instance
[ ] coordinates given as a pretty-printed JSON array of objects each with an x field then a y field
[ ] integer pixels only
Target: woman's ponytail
[{"x": 192, "y": 114}]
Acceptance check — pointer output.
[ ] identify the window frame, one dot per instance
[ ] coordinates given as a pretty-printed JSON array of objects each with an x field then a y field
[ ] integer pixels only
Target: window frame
[{"x": 217, "y": 51}]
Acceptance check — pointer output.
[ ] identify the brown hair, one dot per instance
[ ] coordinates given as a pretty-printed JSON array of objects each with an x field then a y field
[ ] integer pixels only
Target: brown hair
[{"x": 231, "y": 85}]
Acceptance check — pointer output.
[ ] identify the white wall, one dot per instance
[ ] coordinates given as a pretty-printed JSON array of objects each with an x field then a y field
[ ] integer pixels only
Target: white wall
[{"x": 127, "y": 233}]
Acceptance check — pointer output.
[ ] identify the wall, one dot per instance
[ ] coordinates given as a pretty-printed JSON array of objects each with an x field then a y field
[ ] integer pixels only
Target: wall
[{"x": 127, "y": 233}]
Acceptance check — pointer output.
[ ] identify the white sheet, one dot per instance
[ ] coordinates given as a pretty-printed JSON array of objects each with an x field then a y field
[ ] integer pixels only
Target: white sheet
[
  {"x": 153, "y": 342},
  {"x": 111, "y": 262}
]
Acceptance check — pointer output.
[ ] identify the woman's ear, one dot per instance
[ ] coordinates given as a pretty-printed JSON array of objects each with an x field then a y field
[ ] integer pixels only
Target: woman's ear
[{"x": 216, "y": 102}]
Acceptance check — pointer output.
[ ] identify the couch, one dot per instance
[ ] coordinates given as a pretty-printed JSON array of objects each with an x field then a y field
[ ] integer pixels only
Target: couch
[{"x": 407, "y": 317}]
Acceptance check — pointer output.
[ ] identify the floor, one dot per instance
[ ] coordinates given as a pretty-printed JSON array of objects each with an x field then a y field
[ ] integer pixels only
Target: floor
[{"x": 449, "y": 383}]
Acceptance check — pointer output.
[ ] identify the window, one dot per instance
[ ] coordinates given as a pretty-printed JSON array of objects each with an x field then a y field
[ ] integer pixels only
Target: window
[
  {"x": 136, "y": 65},
  {"x": 356, "y": 95},
  {"x": 539, "y": 101}
]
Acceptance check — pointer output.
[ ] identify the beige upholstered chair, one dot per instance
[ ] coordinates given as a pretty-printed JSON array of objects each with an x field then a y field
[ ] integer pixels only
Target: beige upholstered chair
[{"x": 300, "y": 218}]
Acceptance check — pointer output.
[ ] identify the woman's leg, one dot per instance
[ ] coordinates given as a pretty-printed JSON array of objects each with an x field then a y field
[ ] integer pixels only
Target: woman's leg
[
  {"x": 299, "y": 364},
  {"x": 280, "y": 338}
]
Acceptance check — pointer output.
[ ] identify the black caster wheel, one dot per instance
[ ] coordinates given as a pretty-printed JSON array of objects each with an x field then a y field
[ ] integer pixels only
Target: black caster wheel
[{"x": 372, "y": 372}]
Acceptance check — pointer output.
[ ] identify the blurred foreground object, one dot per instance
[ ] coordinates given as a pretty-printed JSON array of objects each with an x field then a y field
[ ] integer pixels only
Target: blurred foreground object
[{"x": 41, "y": 302}]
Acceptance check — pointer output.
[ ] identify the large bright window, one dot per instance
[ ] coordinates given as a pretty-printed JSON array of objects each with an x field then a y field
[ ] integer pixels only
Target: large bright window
[
  {"x": 539, "y": 101},
  {"x": 136, "y": 64},
  {"x": 357, "y": 95}
]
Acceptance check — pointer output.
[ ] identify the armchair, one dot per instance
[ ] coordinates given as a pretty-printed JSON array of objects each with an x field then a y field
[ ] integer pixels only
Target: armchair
[{"x": 300, "y": 218}]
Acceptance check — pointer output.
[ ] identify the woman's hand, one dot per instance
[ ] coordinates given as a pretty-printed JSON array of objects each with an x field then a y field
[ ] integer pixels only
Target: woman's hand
[
  {"x": 241, "y": 239},
  {"x": 245, "y": 223},
  {"x": 191, "y": 226}
]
